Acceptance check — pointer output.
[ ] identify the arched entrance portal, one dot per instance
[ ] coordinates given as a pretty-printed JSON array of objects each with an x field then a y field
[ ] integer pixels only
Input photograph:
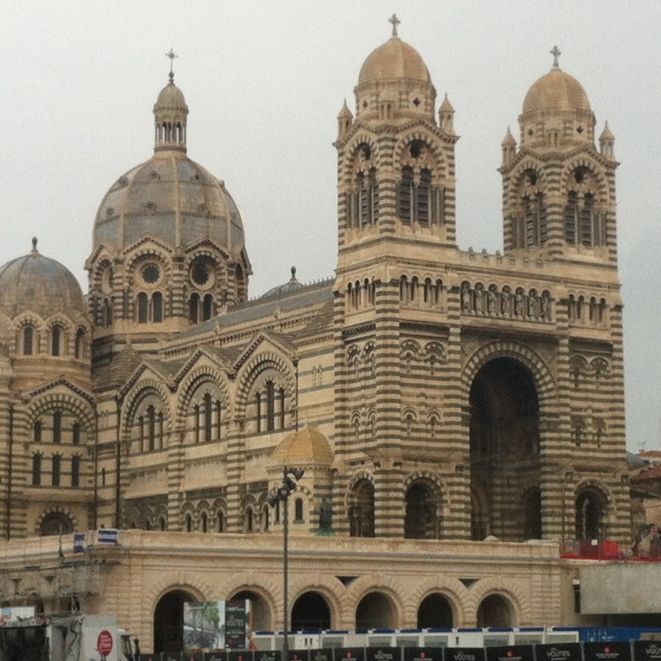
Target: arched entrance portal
[
  {"x": 375, "y": 611},
  {"x": 495, "y": 611},
  {"x": 169, "y": 621},
  {"x": 310, "y": 611},
  {"x": 260, "y": 613},
  {"x": 504, "y": 450},
  {"x": 435, "y": 611}
]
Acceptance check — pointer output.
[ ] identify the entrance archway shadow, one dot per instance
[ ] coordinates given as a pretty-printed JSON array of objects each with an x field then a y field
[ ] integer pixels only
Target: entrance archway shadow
[{"x": 169, "y": 621}]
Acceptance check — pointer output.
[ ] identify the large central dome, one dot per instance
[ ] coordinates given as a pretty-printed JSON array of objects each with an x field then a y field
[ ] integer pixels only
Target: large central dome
[
  {"x": 169, "y": 197},
  {"x": 173, "y": 199}
]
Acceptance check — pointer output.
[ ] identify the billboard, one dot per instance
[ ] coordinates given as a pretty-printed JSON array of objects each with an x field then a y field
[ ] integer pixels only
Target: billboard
[{"x": 203, "y": 625}]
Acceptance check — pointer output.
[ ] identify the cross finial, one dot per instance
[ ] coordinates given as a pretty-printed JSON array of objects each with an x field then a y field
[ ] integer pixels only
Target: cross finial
[
  {"x": 171, "y": 55},
  {"x": 555, "y": 51},
  {"x": 395, "y": 22}
]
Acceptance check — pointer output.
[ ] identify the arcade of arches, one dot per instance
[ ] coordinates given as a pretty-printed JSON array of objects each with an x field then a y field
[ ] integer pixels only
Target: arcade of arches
[{"x": 311, "y": 610}]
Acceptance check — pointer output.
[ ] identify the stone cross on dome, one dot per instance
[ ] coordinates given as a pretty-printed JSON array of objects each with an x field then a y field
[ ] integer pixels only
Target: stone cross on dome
[
  {"x": 171, "y": 55},
  {"x": 555, "y": 51},
  {"x": 395, "y": 22}
]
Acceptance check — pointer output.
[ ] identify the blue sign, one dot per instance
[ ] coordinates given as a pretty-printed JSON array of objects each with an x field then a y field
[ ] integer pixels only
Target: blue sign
[{"x": 107, "y": 536}]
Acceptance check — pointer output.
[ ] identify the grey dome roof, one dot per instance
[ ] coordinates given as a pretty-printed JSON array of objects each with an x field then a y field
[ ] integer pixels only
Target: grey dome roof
[
  {"x": 282, "y": 290},
  {"x": 173, "y": 199},
  {"x": 41, "y": 284}
]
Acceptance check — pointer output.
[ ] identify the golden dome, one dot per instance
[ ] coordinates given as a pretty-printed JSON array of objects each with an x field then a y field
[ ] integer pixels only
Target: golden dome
[
  {"x": 393, "y": 60},
  {"x": 556, "y": 91},
  {"x": 303, "y": 448}
]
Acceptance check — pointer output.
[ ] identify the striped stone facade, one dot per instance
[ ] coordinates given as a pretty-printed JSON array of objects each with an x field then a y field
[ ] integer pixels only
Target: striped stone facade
[{"x": 464, "y": 395}]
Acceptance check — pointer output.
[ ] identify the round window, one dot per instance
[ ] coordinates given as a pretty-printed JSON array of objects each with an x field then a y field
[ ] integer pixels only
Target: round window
[
  {"x": 202, "y": 272},
  {"x": 150, "y": 273}
]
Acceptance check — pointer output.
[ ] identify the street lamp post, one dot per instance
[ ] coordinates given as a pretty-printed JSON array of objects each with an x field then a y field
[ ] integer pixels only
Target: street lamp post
[{"x": 280, "y": 494}]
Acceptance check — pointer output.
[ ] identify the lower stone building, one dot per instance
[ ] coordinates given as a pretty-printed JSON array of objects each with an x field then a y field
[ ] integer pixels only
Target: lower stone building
[{"x": 459, "y": 415}]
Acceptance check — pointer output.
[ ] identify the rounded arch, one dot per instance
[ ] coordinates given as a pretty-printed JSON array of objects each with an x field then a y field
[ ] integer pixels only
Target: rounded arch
[
  {"x": 264, "y": 593},
  {"x": 594, "y": 169},
  {"x": 437, "y": 162},
  {"x": 543, "y": 379},
  {"x": 593, "y": 505},
  {"x": 423, "y": 496},
  {"x": 56, "y": 521},
  {"x": 516, "y": 596},
  {"x": 136, "y": 395},
  {"x": 435, "y": 610},
  {"x": 352, "y": 153},
  {"x": 168, "y": 620},
  {"x": 517, "y": 175},
  {"x": 251, "y": 371},
  {"x": 452, "y": 589},
  {"x": 378, "y": 607},
  {"x": 75, "y": 404},
  {"x": 191, "y": 385},
  {"x": 311, "y": 610}
]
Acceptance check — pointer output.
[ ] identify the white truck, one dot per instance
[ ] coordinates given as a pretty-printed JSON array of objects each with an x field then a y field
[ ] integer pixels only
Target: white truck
[{"x": 68, "y": 638}]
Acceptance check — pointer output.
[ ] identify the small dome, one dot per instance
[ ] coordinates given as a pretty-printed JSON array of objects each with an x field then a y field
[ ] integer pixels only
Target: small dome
[
  {"x": 508, "y": 139},
  {"x": 303, "y": 448},
  {"x": 170, "y": 98},
  {"x": 38, "y": 283},
  {"x": 556, "y": 91},
  {"x": 394, "y": 60},
  {"x": 606, "y": 134},
  {"x": 281, "y": 290}
]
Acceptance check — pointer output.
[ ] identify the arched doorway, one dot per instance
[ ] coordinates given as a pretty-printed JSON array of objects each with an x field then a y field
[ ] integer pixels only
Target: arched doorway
[
  {"x": 169, "y": 621},
  {"x": 375, "y": 610},
  {"x": 361, "y": 509},
  {"x": 495, "y": 611},
  {"x": 504, "y": 447},
  {"x": 435, "y": 611},
  {"x": 55, "y": 523},
  {"x": 421, "y": 511},
  {"x": 310, "y": 611},
  {"x": 591, "y": 504},
  {"x": 260, "y": 613}
]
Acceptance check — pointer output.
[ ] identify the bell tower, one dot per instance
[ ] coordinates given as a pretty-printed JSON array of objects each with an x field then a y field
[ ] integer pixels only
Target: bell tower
[
  {"x": 395, "y": 158},
  {"x": 558, "y": 189}
]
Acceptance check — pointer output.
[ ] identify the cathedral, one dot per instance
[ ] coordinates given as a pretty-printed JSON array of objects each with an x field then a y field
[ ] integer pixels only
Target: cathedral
[{"x": 459, "y": 415}]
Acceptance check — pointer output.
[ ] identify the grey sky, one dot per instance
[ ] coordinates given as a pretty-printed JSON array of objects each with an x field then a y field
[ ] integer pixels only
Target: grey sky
[{"x": 264, "y": 82}]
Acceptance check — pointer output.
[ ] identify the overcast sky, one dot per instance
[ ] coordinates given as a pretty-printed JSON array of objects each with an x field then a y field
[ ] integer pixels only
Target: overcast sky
[{"x": 264, "y": 81}]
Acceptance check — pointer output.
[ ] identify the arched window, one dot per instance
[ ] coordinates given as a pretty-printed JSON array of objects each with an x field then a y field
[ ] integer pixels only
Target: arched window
[
  {"x": 142, "y": 306},
  {"x": 406, "y": 196},
  {"x": 36, "y": 469},
  {"x": 207, "y": 307},
  {"x": 270, "y": 406},
  {"x": 208, "y": 409},
  {"x": 258, "y": 414},
  {"x": 57, "y": 426},
  {"x": 265, "y": 518},
  {"x": 361, "y": 509},
  {"x": 189, "y": 523},
  {"x": 193, "y": 307},
  {"x": 75, "y": 471},
  {"x": 249, "y": 520},
  {"x": 298, "y": 510},
  {"x": 75, "y": 433},
  {"x": 79, "y": 345},
  {"x": 151, "y": 426},
  {"x": 157, "y": 307},
  {"x": 196, "y": 412},
  {"x": 161, "y": 523},
  {"x": 423, "y": 198},
  {"x": 56, "y": 470},
  {"x": 591, "y": 506},
  {"x": 36, "y": 431},
  {"x": 56, "y": 334},
  {"x": 204, "y": 522},
  {"x": 220, "y": 522},
  {"x": 28, "y": 340},
  {"x": 218, "y": 419},
  {"x": 107, "y": 312}
]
